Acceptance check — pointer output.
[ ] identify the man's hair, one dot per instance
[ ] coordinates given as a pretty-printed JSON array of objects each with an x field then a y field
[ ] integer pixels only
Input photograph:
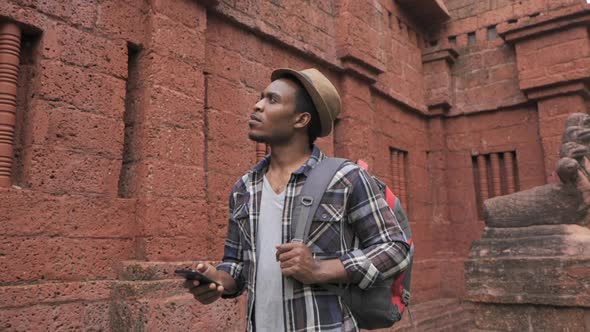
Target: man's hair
[{"x": 304, "y": 104}]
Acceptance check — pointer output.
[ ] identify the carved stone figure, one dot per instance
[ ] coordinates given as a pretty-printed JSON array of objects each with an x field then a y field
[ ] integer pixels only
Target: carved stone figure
[{"x": 531, "y": 269}]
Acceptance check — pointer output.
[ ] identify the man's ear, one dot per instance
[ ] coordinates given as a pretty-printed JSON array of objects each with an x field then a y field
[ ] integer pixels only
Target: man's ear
[{"x": 302, "y": 120}]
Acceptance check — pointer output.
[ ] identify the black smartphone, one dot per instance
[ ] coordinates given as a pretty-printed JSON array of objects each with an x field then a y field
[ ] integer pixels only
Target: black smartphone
[{"x": 189, "y": 274}]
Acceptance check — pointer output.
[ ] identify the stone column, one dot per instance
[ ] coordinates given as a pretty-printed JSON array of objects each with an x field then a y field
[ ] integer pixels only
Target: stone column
[
  {"x": 353, "y": 133},
  {"x": 10, "y": 37},
  {"x": 553, "y": 56},
  {"x": 438, "y": 82}
]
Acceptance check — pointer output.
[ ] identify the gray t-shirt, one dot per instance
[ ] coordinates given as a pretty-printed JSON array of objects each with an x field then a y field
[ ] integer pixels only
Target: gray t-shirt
[{"x": 268, "y": 307}]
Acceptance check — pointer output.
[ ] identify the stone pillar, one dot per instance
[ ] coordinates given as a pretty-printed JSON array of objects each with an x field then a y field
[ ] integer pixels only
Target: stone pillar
[
  {"x": 358, "y": 48},
  {"x": 510, "y": 177},
  {"x": 10, "y": 37},
  {"x": 553, "y": 56},
  {"x": 554, "y": 105}
]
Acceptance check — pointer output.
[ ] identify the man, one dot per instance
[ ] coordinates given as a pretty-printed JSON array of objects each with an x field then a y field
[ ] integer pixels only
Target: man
[{"x": 354, "y": 237}]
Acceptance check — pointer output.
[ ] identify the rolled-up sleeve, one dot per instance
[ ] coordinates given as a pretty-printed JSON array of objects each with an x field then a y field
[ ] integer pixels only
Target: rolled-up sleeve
[
  {"x": 384, "y": 250},
  {"x": 232, "y": 261}
]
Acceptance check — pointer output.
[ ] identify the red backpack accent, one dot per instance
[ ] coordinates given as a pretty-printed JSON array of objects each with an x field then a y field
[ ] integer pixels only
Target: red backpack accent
[{"x": 400, "y": 289}]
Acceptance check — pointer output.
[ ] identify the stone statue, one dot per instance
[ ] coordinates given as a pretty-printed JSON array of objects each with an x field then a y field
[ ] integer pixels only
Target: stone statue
[
  {"x": 558, "y": 203},
  {"x": 530, "y": 271}
]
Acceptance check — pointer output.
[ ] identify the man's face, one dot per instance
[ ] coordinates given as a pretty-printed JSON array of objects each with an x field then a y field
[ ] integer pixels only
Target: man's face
[{"x": 274, "y": 118}]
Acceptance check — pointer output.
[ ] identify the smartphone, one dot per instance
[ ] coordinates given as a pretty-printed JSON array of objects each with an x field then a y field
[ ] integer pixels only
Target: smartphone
[{"x": 189, "y": 274}]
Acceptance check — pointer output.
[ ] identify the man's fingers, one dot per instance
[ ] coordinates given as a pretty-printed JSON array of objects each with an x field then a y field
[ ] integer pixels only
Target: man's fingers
[
  {"x": 287, "y": 272},
  {"x": 207, "y": 270},
  {"x": 288, "y": 263},
  {"x": 202, "y": 267},
  {"x": 283, "y": 257},
  {"x": 287, "y": 247},
  {"x": 204, "y": 289}
]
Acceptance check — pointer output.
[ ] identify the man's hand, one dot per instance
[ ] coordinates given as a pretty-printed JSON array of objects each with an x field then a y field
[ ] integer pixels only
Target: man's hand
[
  {"x": 297, "y": 262},
  {"x": 205, "y": 293}
]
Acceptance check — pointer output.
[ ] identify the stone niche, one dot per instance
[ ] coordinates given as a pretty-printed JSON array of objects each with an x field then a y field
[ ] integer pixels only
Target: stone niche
[{"x": 530, "y": 271}]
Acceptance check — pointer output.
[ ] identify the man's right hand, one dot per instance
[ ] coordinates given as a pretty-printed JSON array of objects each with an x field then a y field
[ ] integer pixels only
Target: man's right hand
[{"x": 205, "y": 293}]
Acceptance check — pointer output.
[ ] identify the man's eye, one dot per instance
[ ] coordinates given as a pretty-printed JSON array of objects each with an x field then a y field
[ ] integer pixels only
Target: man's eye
[{"x": 272, "y": 100}]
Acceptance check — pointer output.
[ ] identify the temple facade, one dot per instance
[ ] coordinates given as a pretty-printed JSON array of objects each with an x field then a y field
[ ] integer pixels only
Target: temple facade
[{"x": 123, "y": 126}]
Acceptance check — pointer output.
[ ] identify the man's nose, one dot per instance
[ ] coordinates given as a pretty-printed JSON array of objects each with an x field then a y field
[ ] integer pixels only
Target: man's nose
[{"x": 258, "y": 106}]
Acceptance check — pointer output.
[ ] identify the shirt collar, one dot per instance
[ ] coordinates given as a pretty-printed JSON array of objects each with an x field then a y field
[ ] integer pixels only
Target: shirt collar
[{"x": 316, "y": 156}]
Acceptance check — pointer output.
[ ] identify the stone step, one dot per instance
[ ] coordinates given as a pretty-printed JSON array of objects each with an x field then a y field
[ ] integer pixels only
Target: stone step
[{"x": 438, "y": 315}]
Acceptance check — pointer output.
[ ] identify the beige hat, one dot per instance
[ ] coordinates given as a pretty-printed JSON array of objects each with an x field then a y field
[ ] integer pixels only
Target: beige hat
[{"x": 323, "y": 94}]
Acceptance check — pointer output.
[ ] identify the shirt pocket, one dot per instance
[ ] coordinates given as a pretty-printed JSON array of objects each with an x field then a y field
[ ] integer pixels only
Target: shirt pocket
[{"x": 325, "y": 232}]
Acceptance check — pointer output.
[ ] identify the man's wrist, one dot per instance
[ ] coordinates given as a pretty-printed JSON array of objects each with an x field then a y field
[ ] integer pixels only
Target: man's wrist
[
  {"x": 329, "y": 271},
  {"x": 319, "y": 273}
]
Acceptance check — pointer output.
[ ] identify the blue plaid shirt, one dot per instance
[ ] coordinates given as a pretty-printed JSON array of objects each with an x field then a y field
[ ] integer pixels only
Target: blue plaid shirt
[{"x": 353, "y": 223}]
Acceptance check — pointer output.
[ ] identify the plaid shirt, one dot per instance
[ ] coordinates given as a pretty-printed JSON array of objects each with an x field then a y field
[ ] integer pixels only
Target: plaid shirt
[{"x": 353, "y": 223}]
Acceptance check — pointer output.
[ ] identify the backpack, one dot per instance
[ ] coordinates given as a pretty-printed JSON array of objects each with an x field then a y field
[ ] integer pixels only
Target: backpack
[{"x": 381, "y": 305}]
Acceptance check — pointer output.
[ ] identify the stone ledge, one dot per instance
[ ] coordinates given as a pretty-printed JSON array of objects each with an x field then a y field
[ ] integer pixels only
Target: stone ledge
[
  {"x": 547, "y": 22},
  {"x": 579, "y": 87},
  {"x": 447, "y": 314},
  {"x": 151, "y": 271},
  {"x": 449, "y": 54},
  {"x": 433, "y": 11},
  {"x": 558, "y": 281}
]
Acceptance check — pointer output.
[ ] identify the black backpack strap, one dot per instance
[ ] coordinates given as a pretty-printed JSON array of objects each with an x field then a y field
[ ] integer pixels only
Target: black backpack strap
[{"x": 311, "y": 194}]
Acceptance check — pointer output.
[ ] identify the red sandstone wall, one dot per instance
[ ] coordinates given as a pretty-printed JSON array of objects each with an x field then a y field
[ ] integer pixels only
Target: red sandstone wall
[{"x": 131, "y": 130}]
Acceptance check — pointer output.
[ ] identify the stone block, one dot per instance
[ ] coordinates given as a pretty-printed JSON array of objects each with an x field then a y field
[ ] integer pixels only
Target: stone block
[
  {"x": 165, "y": 179},
  {"x": 190, "y": 13},
  {"x": 54, "y": 292},
  {"x": 63, "y": 126},
  {"x": 507, "y": 318},
  {"x": 175, "y": 248},
  {"x": 537, "y": 264},
  {"x": 165, "y": 106},
  {"x": 171, "y": 38},
  {"x": 172, "y": 217},
  {"x": 61, "y": 171},
  {"x": 87, "y": 50},
  {"x": 100, "y": 93},
  {"x": 122, "y": 20},
  {"x": 59, "y": 258}
]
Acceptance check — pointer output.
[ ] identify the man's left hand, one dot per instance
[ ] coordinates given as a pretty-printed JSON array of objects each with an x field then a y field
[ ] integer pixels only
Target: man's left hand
[{"x": 297, "y": 262}]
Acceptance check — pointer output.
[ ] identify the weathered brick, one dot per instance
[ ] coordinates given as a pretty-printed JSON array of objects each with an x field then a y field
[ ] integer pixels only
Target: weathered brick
[
  {"x": 168, "y": 107},
  {"x": 172, "y": 217},
  {"x": 65, "y": 171},
  {"x": 76, "y": 12},
  {"x": 58, "y": 258},
  {"x": 172, "y": 73},
  {"x": 100, "y": 93},
  {"x": 187, "y": 12},
  {"x": 122, "y": 20},
  {"x": 53, "y": 292},
  {"x": 165, "y": 179},
  {"x": 186, "y": 248},
  {"x": 171, "y": 38},
  {"x": 231, "y": 158},
  {"x": 86, "y": 50},
  {"x": 224, "y": 63},
  {"x": 183, "y": 146},
  {"x": 99, "y": 217},
  {"x": 66, "y": 127},
  {"x": 228, "y": 127}
]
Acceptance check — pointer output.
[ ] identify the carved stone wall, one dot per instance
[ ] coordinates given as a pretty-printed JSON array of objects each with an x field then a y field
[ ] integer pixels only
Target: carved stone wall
[{"x": 130, "y": 129}]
